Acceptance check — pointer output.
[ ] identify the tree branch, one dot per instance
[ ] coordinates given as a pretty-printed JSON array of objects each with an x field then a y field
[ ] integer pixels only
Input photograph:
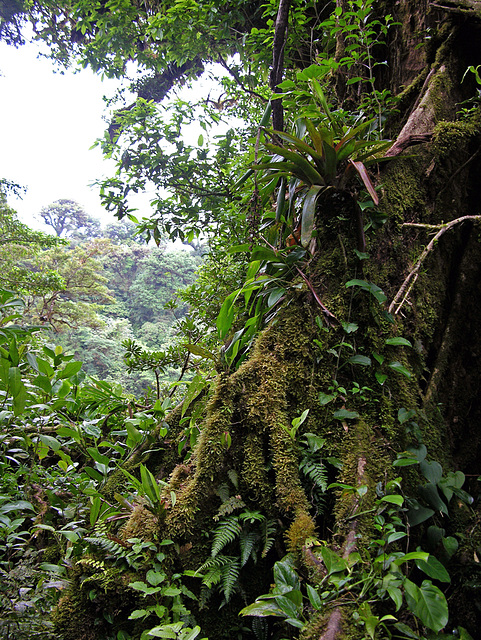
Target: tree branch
[
  {"x": 277, "y": 70},
  {"x": 413, "y": 274}
]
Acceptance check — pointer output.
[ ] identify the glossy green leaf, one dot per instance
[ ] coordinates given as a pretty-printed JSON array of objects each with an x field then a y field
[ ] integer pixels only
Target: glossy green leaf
[
  {"x": 70, "y": 370},
  {"x": 432, "y": 471},
  {"x": 398, "y": 342},
  {"x": 262, "y": 609},
  {"x": 308, "y": 216},
  {"x": 399, "y": 368},
  {"x": 434, "y": 569},
  {"x": 428, "y": 603},
  {"x": 364, "y": 361}
]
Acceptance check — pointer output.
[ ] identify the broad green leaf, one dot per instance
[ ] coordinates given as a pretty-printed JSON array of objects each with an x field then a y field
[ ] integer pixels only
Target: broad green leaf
[
  {"x": 325, "y": 398},
  {"x": 70, "y": 370},
  {"x": 193, "y": 390},
  {"x": 139, "y": 613},
  {"x": 288, "y": 608},
  {"x": 51, "y": 442},
  {"x": 226, "y": 314},
  {"x": 95, "y": 509},
  {"x": 169, "y": 631},
  {"x": 417, "y": 513},
  {"x": 264, "y": 253},
  {"x": 309, "y": 214},
  {"x": 398, "y": 342},
  {"x": 396, "y": 596},
  {"x": 432, "y": 471},
  {"x": 413, "y": 555},
  {"x": 404, "y": 462},
  {"x": 285, "y": 577},
  {"x": 15, "y": 381},
  {"x": 72, "y": 536},
  {"x": 434, "y": 569},
  {"x": 399, "y": 368},
  {"x": 275, "y": 295},
  {"x": 334, "y": 563},
  {"x": 18, "y": 505},
  {"x": 364, "y": 361},
  {"x": 97, "y": 456},
  {"x": 314, "y": 598},
  {"x": 149, "y": 484},
  {"x": 393, "y": 499},
  {"x": 345, "y": 414},
  {"x": 428, "y": 603},
  {"x": 380, "y": 377},
  {"x": 261, "y": 609},
  {"x": 429, "y": 493}
]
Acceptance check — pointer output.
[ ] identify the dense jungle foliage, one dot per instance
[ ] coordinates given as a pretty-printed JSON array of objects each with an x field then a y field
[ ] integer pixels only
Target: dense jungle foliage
[{"x": 307, "y": 463}]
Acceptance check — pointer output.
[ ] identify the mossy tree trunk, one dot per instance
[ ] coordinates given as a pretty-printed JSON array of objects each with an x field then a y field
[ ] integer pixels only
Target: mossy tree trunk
[{"x": 432, "y": 178}]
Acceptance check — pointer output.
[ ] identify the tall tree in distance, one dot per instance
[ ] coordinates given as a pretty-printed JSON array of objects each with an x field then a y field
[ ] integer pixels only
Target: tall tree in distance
[{"x": 67, "y": 217}]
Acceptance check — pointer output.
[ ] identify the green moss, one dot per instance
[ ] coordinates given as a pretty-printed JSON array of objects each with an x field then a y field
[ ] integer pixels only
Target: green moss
[{"x": 451, "y": 137}]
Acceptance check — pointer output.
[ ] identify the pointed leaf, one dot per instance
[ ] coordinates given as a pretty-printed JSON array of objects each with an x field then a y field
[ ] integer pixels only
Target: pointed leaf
[
  {"x": 361, "y": 169},
  {"x": 309, "y": 214}
]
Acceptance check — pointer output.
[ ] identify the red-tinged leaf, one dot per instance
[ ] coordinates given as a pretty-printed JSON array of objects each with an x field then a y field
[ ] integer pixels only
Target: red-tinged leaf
[{"x": 361, "y": 169}]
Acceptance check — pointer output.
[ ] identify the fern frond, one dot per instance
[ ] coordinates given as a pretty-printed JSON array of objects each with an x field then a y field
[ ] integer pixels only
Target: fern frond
[
  {"x": 98, "y": 565},
  {"x": 269, "y": 529},
  {"x": 228, "y": 530},
  {"x": 251, "y": 516},
  {"x": 214, "y": 568},
  {"x": 260, "y": 627},
  {"x": 223, "y": 492},
  {"x": 316, "y": 472},
  {"x": 234, "y": 478},
  {"x": 248, "y": 543},
  {"x": 118, "y": 550},
  {"x": 229, "y": 506},
  {"x": 230, "y": 577}
]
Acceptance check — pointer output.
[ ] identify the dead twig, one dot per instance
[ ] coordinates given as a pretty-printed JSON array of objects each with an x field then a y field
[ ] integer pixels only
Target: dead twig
[{"x": 441, "y": 229}]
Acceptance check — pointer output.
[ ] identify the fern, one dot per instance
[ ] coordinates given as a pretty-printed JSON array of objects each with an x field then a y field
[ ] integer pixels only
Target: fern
[
  {"x": 98, "y": 565},
  {"x": 223, "y": 492},
  {"x": 214, "y": 568},
  {"x": 316, "y": 472},
  {"x": 315, "y": 475},
  {"x": 268, "y": 529},
  {"x": 251, "y": 516},
  {"x": 228, "y": 530},
  {"x": 234, "y": 478},
  {"x": 230, "y": 577},
  {"x": 229, "y": 506},
  {"x": 248, "y": 542}
]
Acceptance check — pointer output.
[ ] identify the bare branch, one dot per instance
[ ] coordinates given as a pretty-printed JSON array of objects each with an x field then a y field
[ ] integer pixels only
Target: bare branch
[{"x": 413, "y": 274}]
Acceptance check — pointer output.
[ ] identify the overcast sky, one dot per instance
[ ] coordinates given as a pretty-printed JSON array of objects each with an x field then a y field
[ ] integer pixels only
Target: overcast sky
[{"x": 48, "y": 122}]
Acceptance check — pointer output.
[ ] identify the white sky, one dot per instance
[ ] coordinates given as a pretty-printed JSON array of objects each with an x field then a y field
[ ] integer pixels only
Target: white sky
[{"x": 48, "y": 122}]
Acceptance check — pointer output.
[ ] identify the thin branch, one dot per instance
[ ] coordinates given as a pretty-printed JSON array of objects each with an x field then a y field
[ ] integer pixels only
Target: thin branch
[
  {"x": 441, "y": 229},
  {"x": 277, "y": 70},
  {"x": 329, "y": 317},
  {"x": 236, "y": 77}
]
